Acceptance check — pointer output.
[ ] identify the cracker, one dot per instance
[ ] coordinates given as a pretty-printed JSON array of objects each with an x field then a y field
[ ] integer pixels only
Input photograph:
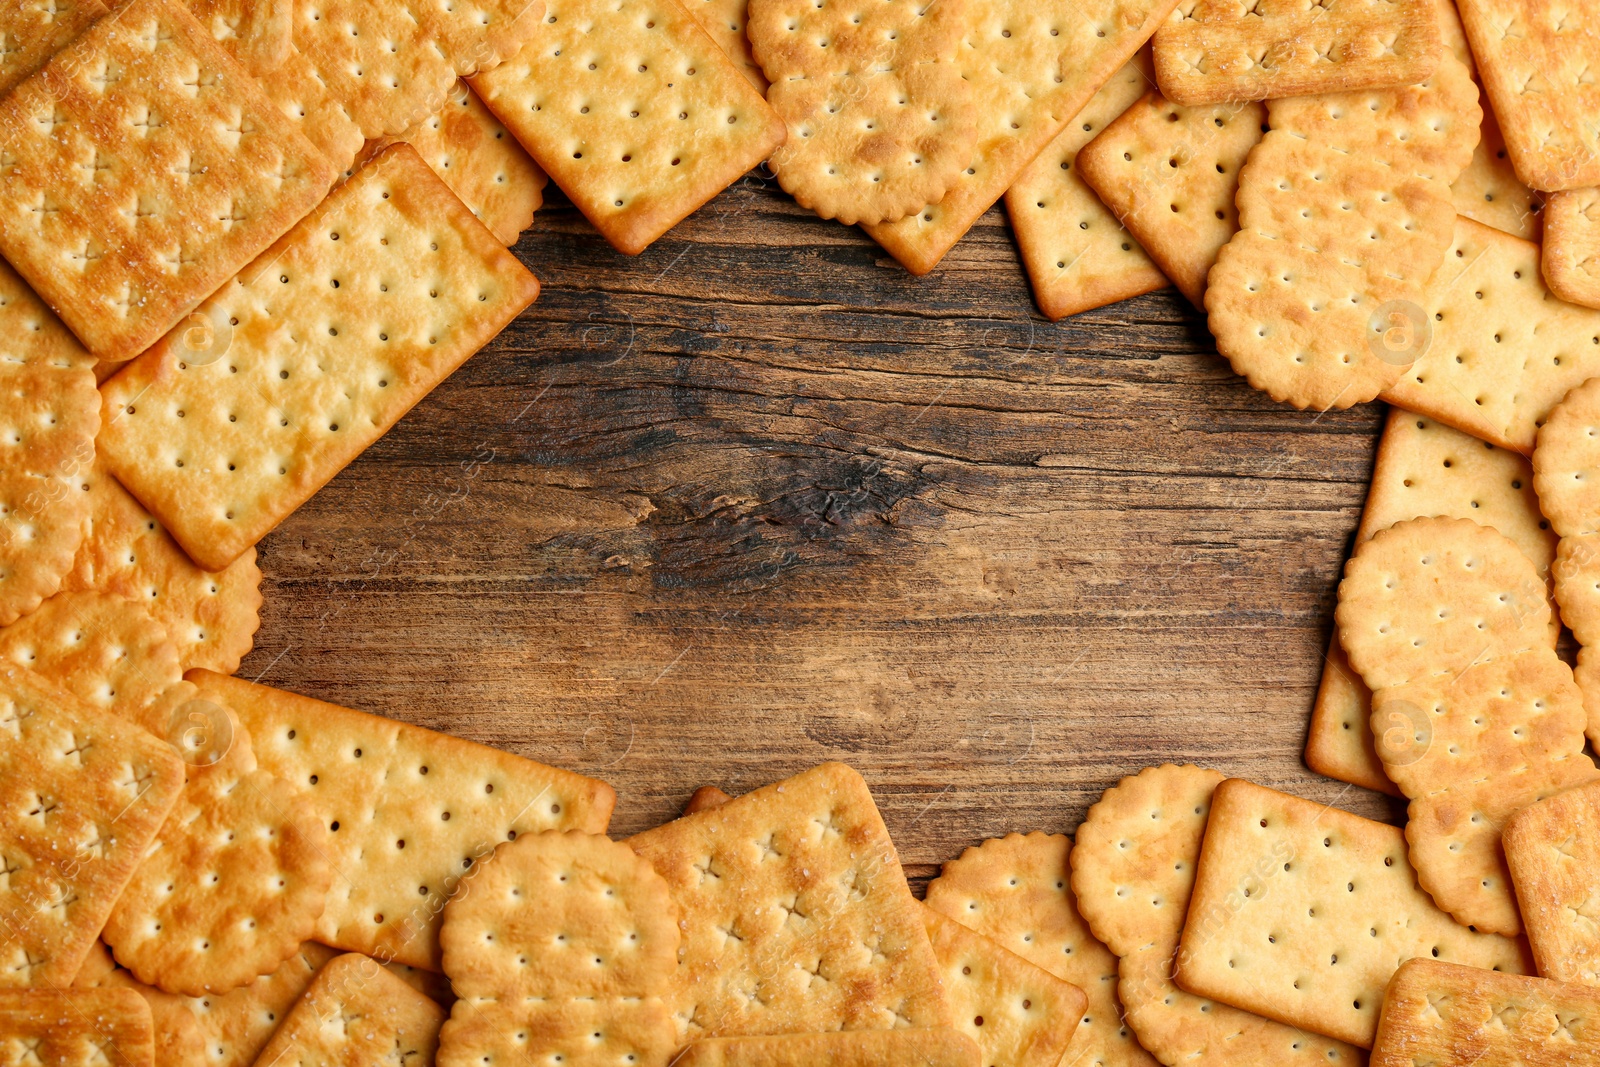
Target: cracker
[
  {"x": 1017, "y": 1012},
  {"x": 561, "y": 928},
  {"x": 142, "y": 167},
  {"x": 1489, "y": 191},
  {"x": 1441, "y": 1013},
  {"x": 1571, "y": 261},
  {"x": 356, "y": 1013},
  {"x": 1553, "y": 851},
  {"x": 1535, "y": 59},
  {"x": 706, "y": 798},
  {"x": 1344, "y": 213},
  {"x": 1304, "y": 919},
  {"x": 431, "y": 984},
  {"x": 1077, "y": 255},
  {"x": 605, "y": 103},
  {"x": 847, "y": 1048},
  {"x": 1169, "y": 174},
  {"x": 178, "y": 1040},
  {"x": 481, "y": 163},
  {"x": 1133, "y": 867},
  {"x": 89, "y": 792},
  {"x": 1015, "y": 890},
  {"x": 76, "y": 1028},
  {"x": 211, "y": 616},
  {"x": 236, "y": 1026},
  {"x": 31, "y": 31},
  {"x": 796, "y": 914},
  {"x": 1424, "y": 468},
  {"x": 297, "y": 90},
  {"x": 724, "y": 21},
  {"x": 1031, "y": 70},
  {"x": 880, "y": 120},
  {"x": 335, "y": 333},
  {"x": 1219, "y": 51},
  {"x": 375, "y": 783},
  {"x": 1564, "y": 464},
  {"x": 258, "y": 33}
]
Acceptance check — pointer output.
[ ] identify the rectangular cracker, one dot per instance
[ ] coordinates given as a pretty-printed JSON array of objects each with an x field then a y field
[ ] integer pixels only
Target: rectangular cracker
[
  {"x": 1553, "y": 850},
  {"x": 1571, "y": 262},
  {"x": 1077, "y": 255},
  {"x": 1445, "y": 1014},
  {"x": 1032, "y": 69},
  {"x": 1536, "y": 60},
  {"x": 142, "y": 167},
  {"x": 1017, "y": 1012},
  {"x": 1302, "y": 912},
  {"x": 376, "y": 783},
  {"x": 31, "y": 31},
  {"x": 724, "y": 22},
  {"x": 86, "y": 793},
  {"x": 1221, "y": 51},
  {"x": 1423, "y": 468},
  {"x": 1504, "y": 350},
  {"x": 301, "y": 96},
  {"x": 356, "y": 1013},
  {"x": 258, "y": 33},
  {"x": 236, "y": 1026},
  {"x": 176, "y": 1031},
  {"x": 1489, "y": 190},
  {"x": 796, "y": 914},
  {"x": 336, "y": 332},
  {"x": 846, "y": 1048},
  {"x": 76, "y": 1028},
  {"x": 633, "y": 111}
]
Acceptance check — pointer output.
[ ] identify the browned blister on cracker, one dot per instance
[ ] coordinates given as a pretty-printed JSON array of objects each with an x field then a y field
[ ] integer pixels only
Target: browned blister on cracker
[
  {"x": 933, "y": 1047},
  {"x": 76, "y": 1028},
  {"x": 1553, "y": 851},
  {"x": 1571, "y": 258},
  {"x": 356, "y": 1013}
]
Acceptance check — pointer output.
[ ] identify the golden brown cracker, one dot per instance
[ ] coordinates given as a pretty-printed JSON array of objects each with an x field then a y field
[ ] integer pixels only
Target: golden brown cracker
[
  {"x": 178, "y": 1039},
  {"x": 706, "y": 798},
  {"x": 31, "y": 31},
  {"x": 356, "y": 1013},
  {"x": 301, "y": 96},
  {"x": 845, "y": 1048},
  {"x": 1553, "y": 851},
  {"x": 236, "y": 1026},
  {"x": 1571, "y": 258},
  {"x": 1489, "y": 191},
  {"x": 724, "y": 21},
  {"x": 258, "y": 33},
  {"x": 75, "y": 1028}
]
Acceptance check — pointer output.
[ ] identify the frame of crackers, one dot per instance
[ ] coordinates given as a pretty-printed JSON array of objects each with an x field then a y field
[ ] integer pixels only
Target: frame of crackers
[{"x": 242, "y": 238}]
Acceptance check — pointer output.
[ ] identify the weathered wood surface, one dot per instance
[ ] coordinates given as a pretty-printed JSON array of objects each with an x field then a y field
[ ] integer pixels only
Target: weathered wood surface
[{"x": 758, "y": 498}]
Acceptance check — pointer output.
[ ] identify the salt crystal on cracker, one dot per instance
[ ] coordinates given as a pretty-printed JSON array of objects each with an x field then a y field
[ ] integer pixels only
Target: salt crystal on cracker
[
  {"x": 178, "y": 1039},
  {"x": 76, "y": 1028},
  {"x": 31, "y": 31}
]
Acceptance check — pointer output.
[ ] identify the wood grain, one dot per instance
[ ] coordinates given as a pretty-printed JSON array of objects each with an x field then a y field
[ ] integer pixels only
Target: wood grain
[{"x": 758, "y": 498}]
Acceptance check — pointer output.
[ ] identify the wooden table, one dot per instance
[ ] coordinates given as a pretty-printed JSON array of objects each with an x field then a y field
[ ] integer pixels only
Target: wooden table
[{"x": 758, "y": 498}]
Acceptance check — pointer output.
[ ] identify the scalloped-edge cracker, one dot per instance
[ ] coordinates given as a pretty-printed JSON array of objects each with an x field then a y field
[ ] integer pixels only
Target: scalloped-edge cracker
[
  {"x": 931, "y": 1047},
  {"x": 76, "y": 1028},
  {"x": 355, "y": 1013},
  {"x": 1553, "y": 851},
  {"x": 236, "y": 1026},
  {"x": 1571, "y": 258},
  {"x": 1564, "y": 463}
]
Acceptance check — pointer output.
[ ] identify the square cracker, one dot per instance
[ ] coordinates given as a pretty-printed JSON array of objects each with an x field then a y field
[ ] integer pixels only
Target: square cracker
[
  {"x": 326, "y": 341},
  {"x": 236, "y": 1026},
  {"x": 1217, "y": 51},
  {"x": 1077, "y": 255},
  {"x": 1571, "y": 262},
  {"x": 1553, "y": 850},
  {"x": 176, "y": 1031},
  {"x": 356, "y": 1013},
  {"x": 31, "y": 31},
  {"x": 302, "y": 97},
  {"x": 724, "y": 21},
  {"x": 258, "y": 33},
  {"x": 142, "y": 167},
  {"x": 633, "y": 111},
  {"x": 76, "y": 1028},
  {"x": 796, "y": 914},
  {"x": 88, "y": 793},
  {"x": 846, "y": 1048},
  {"x": 1423, "y": 468},
  {"x": 1490, "y": 191},
  {"x": 409, "y": 810},
  {"x": 1302, "y": 912},
  {"x": 1445, "y": 1014},
  {"x": 1536, "y": 59},
  {"x": 1032, "y": 67}
]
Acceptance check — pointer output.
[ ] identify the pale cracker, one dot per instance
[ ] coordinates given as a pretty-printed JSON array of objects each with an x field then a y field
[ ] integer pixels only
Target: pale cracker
[
  {"x": 89, "y": 793},
  {"x": 1169, "y": 173},
  {"x": 211, "y": 616},
  {"x": 75, "y": 1028},
  {"x": 258, "y": 33},
  {"x": 1344, "y": 214},
  {"x": 1077, "y": 255},
  {"x": 301, "y": 96},
  {"x": 557, "y": 928},
  {"x": 1535, "y": 59},
  {"x": 356, "y": 1013},
  {"x": 724, "y": 21},
  {"x": 1571, "y": 260},
  {"x": 481, "y": 163},
  {"x": 1017, "y": 1012},
  {"x": 846, "y": 1048},
  {"x": 178, "y": 1040},
  {"x": 1444, "y": 1014},
  {"x": 706, "y": 798},
  {"x": 633, "y": 111},
  {"x": 142, "y": 167},
  {"x": 1016, "y": 891},
  {"x": 1423, "y": 468},
  {"x": 233, "y": 883},
  {"x": 1489, "y": 191},
  {"x": 1032, "y": 68},
  {"x": 1553, "y": 851},
  {"x": 1133, "y": 867},
  {"x": 1301, "y": 912},
  {"x": 31, "y": 31},
  {"x": 880, "y": 120},
  {"x": 237, "y": 1025},
  {"x": 1222, "y": 51},
  {"x": 344, "y": 325},
  {"x": 796, "y": 914},
  {"x": 376, "y": 783}
]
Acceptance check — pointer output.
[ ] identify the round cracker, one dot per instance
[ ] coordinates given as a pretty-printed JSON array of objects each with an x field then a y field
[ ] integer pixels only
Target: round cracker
[{"x": 1566, "y": 462}]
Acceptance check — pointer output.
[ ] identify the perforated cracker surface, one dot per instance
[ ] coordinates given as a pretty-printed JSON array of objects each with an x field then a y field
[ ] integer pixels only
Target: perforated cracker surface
[
  {"x": 1489, "y": 190},
  {"x": 724, "y": 22},
  {"x": 297, "y": 90},
  {"x": 1301, "y": 912},
  {"x": 633, "y": 111},
  {"x": 336, "y": 333},
  {"x": 796, "y": 914},
  {"x": 356, "y": 1013},
  {"x": 1553, "y": 852},
  {"x": 236, "y": 1026},
  {"x": 849, "y": 1048},
  {"x": 408, "y": 811},
  {"x": 1571, "y": 262},
  {"x": 31, "y": 31},
  {"x": 142, "y": 167},
  {"x": 75, "y": 1028},
  {"x": 1016, "y": 890},
  {"x": 176, "y": 1032}
]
